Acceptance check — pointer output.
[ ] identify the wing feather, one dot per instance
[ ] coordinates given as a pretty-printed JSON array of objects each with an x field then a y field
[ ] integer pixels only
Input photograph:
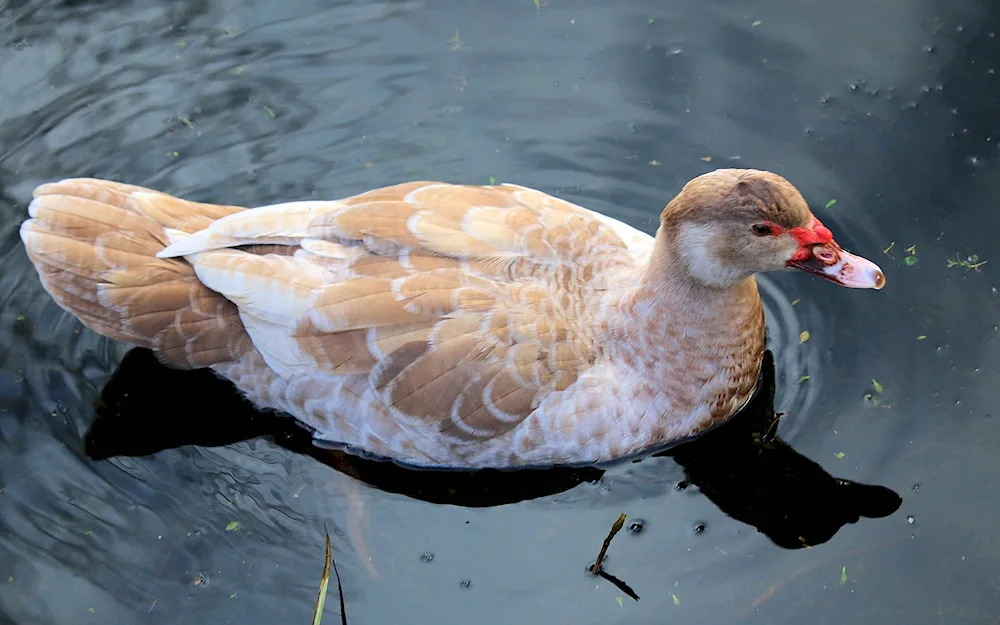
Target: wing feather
[{"x": 464, "y": 306}]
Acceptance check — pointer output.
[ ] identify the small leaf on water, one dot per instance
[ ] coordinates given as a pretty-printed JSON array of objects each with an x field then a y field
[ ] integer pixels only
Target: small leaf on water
[
  {"x": 677, "y": 600},
  {"x": 843, "y": 575},
  {"x": 830, "y": 203},
  {"x": 10, "y": 580},
  {"x": 270, "y": 112},
  {"x": 91, "y": 610},
  {"x": 493, "y": 180},
  {"x": 910, "y": 261},
  {"x": 803, "y": 336},
  {"x": 756, "y": 23},
  {"x": 796, "y": 301},
  {"x": 232, "y": 596},
  {"x": 232, "y": 526},
  {"x": 804, "y": 378},
  {"x": 707, "y": 159},
  {"x": 921, "y": 337},
  {"x": 840, "y": 455},
  {"x": 878, "y": 387},
  {"x": 651, "y": 20},
  {"x": 620, "y": 602}
]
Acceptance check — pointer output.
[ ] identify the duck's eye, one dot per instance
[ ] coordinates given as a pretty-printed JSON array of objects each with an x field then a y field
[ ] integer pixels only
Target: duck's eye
[{"x": 762, "y": 230}]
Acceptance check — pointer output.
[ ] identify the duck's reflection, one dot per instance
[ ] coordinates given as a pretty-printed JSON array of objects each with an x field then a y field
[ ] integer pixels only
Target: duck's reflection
[{"x": 743, "y": 467}]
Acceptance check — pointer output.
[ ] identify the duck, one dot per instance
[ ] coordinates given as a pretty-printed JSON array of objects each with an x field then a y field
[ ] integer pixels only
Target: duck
[{"x": 445, "y": 325}]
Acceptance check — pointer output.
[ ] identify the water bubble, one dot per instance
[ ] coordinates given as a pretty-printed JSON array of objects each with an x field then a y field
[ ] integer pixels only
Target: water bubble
[
  {"x": 852, "y": 87},
  {"x": 699, "y": 527},
  {"x": 975, "y": 161},
  {"x": 465, "y": 583},
  {"x": 807, "y": 131},
  {"x": 910, "y": 105},
  {"x": 910, "y": 519},
  {"x": 916, "y": 488},
  {"x": 674, "y": 51},
  {"x": 928, "y": 49},
  {"x": 925, "y": 89},
  {"x": 427, "y": 556},
  {"x": 636, "y": 526},
  {"x": 826, "y": 100}
]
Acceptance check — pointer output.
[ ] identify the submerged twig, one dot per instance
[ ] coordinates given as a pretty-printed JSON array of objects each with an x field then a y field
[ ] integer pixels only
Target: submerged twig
[
  {"x": 324, "y": 582},
  {"x": 596, "y": 569}
]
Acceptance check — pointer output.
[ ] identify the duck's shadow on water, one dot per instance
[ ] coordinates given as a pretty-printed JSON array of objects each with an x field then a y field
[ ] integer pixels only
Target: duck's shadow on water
[{"x": 742, "y": 467}]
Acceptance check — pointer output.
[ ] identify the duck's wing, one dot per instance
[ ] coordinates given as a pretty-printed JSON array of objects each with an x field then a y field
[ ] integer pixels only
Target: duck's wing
[{"x": 464, "y": 305}]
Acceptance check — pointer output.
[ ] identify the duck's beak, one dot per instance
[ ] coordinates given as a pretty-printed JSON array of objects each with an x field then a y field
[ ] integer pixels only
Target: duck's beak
[{"x": 830, "y": 262}]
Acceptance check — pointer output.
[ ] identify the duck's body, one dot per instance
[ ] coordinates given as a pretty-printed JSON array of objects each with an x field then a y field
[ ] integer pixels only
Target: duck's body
[{"x": 435, "y": 324}]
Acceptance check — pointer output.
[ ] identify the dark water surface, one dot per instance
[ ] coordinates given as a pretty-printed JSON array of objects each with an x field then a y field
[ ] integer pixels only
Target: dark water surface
[{"x": 887, "y": 107}]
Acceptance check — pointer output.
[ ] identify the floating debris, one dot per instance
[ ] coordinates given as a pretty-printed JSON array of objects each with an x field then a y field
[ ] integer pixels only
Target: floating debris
[
  {"x": 596, "y": 567},
  {"x": 843, "y": 575},
  {"x": 232, "y": 526},
  {"x": 707, "y": 159},
  {"x": 878, "y": 387},
  {"x": 324, "y": 582},
  {"x": 830, "y": 203},
  {"x": 970, "y": 262},
  {"x": 756, "y": 23},
  {"x": 803, "y": 336},
  {"x": 840, "y": 455},
  {"x": 455, "y": 43},
  {"x": 911, "y": 258}
]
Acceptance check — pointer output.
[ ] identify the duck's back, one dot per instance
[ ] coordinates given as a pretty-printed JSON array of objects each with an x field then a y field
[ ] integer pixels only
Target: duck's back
[{"x": 433, "y": 323}]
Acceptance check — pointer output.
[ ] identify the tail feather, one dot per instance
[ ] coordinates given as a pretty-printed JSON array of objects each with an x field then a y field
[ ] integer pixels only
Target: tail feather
[{"x": 94, "y": 244}]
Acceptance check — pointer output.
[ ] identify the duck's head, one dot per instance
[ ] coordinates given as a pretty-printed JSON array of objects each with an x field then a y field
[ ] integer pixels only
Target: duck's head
[{"x": 728, "y": 224}]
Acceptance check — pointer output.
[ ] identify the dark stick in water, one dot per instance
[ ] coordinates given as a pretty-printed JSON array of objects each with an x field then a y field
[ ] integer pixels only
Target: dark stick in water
[{"x": 595, "y": 568}]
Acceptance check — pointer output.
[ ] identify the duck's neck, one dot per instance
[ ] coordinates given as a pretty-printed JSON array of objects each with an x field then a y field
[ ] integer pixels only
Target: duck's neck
[{"x": 668, "y": 321}]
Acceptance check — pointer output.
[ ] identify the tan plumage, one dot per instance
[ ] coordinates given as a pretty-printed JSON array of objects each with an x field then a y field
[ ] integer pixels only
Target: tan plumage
[{"x": 436, "y": 324}]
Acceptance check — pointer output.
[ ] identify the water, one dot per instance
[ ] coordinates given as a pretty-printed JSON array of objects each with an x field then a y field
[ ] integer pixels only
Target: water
[{"x": 888, "y": 108}]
